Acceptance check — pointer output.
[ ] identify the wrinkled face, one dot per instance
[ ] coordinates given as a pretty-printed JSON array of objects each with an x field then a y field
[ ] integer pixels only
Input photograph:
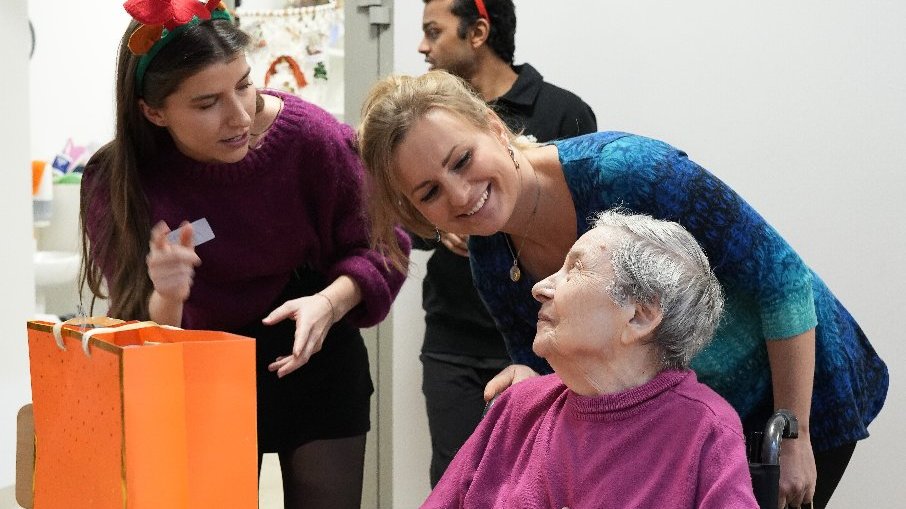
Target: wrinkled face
[
  {"x": 578, "y": 317},
  {"x": 441, "y": 44},
  {"x": 209, "y": 115},
  {"x": 459, "y": 177}
]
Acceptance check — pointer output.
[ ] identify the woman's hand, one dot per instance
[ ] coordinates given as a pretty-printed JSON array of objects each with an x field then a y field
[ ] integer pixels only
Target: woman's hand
[
  {"x": 797, "y": 472},
  {"x": 510, "y": 375},
  {"x": 792, "y": 363},
  {"x": 313, "y": 316},
  {"x": 458, "y": 244},
  {"x": 171, "y": 268}
]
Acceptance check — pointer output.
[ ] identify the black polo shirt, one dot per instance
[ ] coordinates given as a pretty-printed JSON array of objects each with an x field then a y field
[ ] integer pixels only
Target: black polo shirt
[{"x": 546, "y": 112}]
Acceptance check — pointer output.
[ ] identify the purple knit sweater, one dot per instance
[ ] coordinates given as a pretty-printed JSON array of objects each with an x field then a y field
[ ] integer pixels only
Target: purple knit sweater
[
  {"x": 670, "y": 443},
  {"x": 295, "y": 200}
]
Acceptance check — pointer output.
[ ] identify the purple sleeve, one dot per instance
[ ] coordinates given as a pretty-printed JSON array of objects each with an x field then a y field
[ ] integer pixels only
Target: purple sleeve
[
  {"x": 724, "y": 481},
  {"x": 456, "y": 482},
  {"x": 343, "y": 220},
  {"x": 475, "y": 476}
]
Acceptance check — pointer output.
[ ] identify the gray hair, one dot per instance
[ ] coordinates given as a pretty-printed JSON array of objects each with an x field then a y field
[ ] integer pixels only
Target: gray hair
[{"x": 658, "y": 262}]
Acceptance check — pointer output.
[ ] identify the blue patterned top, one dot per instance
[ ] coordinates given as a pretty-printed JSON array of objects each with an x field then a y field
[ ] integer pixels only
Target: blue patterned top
[{"x": 770, "y": 293}]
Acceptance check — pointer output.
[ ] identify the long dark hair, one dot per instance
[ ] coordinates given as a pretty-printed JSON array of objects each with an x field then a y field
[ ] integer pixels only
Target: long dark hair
[{"x": 121, "y": 238}]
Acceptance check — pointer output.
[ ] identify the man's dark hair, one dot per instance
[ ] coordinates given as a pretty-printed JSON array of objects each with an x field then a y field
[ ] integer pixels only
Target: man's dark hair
[{"x": 502, "y": 14}]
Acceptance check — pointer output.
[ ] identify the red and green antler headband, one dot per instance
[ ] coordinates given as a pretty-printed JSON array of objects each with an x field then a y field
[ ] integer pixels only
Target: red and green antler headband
[{"x": 161, "y": 20}]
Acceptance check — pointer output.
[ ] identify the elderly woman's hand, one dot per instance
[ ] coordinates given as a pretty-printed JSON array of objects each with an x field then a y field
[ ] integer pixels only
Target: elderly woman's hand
[{"x": 512, "y": 374}]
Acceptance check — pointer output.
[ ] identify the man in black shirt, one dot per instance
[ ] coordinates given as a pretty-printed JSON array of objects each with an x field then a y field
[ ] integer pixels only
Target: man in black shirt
[{"x": 462, "y": 350}]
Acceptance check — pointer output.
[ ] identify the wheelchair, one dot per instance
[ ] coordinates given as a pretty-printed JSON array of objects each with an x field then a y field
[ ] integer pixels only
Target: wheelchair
[{"x": 763, "y": 453}]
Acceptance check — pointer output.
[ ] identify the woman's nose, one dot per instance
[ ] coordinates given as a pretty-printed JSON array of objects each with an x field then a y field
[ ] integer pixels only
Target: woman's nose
[
  {"x": 460, "y": 193},
  {"x": 238, "y": 114}
]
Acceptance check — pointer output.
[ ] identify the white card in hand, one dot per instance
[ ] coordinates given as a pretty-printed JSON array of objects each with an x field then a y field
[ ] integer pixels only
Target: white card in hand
[{"x": 201, "y": 233}]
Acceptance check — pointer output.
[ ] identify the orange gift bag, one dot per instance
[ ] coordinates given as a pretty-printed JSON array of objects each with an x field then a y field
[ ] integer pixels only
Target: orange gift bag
[{"x": 137, "y": 415}]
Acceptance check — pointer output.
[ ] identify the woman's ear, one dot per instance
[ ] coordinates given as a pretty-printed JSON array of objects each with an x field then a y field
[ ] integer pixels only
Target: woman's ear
[
  {"x": 498, "y": 128},
  {"x": 154, "y": 115},
  {"x": 646, "y": 317}
]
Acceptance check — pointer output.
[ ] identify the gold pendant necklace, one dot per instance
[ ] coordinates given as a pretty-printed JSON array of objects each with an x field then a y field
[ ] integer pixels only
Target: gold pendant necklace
[{"x": 515, "y": 272}]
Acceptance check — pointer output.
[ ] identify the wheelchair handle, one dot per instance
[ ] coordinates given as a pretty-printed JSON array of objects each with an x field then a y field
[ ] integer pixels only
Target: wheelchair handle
[
  {"x": 487, "y": 406},
  {"x": 783, "y": 424}
]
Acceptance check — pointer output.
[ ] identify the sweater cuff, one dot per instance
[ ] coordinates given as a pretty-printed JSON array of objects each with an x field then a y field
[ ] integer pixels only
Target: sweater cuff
[{"x": 376, "y": 295}]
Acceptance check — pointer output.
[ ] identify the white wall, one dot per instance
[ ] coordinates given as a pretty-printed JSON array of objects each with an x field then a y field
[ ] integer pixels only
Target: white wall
[
  {"x": 411, "y": 441},
  {"x": 73, "y": 72},
  {"x": 72, "y": 76},
  {"x": 801, "y": 107},
  {"x": 16, "y": 272}
]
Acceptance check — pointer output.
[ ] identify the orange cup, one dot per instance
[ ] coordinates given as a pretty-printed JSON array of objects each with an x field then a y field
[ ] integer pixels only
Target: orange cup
[{"x": 37, "y": 171}]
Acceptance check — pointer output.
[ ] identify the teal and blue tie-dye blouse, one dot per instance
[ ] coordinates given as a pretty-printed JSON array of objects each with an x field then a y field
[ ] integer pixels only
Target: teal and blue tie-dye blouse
[{"x": 770, "y": 293}]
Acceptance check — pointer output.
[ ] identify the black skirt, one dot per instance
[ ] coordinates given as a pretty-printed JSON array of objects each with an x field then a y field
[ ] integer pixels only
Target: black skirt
[{"x": 328, "y": 397}]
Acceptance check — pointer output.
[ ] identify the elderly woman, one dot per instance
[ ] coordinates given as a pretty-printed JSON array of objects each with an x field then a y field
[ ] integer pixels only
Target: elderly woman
[
  {"x": 441, "y": 160},
  {"x": 622, "y": 422}
]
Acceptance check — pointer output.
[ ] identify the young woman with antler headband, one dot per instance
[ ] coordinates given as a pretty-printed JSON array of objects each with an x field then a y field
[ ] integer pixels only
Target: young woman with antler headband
[{"x": 278, "y": 184}]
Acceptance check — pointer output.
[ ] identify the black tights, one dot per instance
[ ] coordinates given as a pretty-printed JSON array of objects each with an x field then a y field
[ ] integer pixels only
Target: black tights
[
  {"x": 323, "y": 474},
  {"x": 830, "y": 466}
]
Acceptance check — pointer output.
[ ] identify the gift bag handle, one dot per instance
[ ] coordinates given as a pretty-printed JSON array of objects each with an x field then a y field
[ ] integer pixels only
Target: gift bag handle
[
  {"x": 131, "y": 326},
  {"x": 86, "y": 336},
  {"x": 81, "y": 321}
]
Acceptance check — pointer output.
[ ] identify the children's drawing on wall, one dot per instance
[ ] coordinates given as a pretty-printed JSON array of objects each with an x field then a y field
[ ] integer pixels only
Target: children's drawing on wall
[{"x": 299, "y": 50}]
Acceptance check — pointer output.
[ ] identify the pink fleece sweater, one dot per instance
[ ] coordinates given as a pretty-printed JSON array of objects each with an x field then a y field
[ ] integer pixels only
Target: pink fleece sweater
[{"x": 670, "y": 443}]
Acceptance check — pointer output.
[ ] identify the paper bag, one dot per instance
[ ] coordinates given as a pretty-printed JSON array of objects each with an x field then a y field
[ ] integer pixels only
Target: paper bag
[{"x": 141, "y": 416}]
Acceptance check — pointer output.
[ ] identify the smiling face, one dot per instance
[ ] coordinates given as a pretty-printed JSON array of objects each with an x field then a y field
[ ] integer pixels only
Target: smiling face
[
  {"x": 209, "y": 115},
  {"x": 459, "y": 177},
  {"x": 578, "y": 319},
  {"x": 442, "y": 46}
]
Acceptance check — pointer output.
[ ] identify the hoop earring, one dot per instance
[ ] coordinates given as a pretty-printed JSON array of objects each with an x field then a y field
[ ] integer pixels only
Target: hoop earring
[
  {"x": 513, "y": 156},
  {"x": 259, "y": 102},
  {"x": 436, "y": 235}
]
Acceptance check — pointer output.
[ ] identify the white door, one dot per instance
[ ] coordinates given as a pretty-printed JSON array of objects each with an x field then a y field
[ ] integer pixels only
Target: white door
[{"x": 370, "y": 40}]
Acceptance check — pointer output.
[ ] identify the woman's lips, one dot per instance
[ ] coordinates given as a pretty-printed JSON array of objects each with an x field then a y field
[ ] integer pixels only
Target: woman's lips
[
  {"x": 481, "y": 201},
  {"x": 237, "y": 141}
]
